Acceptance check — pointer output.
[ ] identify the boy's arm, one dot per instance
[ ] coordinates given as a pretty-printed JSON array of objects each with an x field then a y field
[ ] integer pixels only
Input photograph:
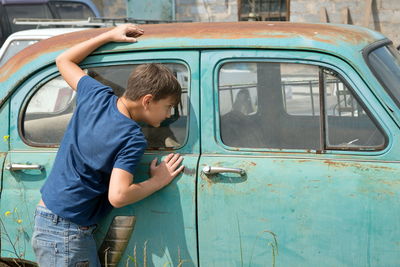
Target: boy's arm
[
  {"x": 123, "y": 191},
  {"x": 68, "y": 61}
]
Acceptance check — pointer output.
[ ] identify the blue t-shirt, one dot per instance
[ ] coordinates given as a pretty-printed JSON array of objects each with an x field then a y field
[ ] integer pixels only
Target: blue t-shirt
[{"x": 98, "y": 139}]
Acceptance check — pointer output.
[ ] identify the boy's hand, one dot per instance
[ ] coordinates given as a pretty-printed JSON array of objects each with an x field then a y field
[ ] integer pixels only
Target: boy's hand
[
  {"x": 167, "y": 170},
  {"x": 125, "y": 33},
  {"x": 68, "y": 61}
]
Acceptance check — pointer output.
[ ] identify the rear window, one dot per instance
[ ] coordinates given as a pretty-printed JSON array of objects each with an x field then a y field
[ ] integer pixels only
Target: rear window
[
  {"x": 41, "y": 11},
  {"x": 14, "y": 47},
  {"x": 385, "y": 63}
]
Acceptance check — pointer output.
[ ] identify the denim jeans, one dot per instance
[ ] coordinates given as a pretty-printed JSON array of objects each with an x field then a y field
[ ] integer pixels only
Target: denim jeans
[{"x": 58, "y": 242}]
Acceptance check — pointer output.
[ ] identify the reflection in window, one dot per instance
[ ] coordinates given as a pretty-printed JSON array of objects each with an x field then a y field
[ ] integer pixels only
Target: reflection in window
[
  {"x": 300, "y": 89},
  {"x": 50, "y": 109},
  {"x": 48, "y": 112},
  {"x": 348, "y": 125},
  {"x": 277, "y": 105},
  {"x": 252, "y": 106},
  {"x": 14, "y": 47}
]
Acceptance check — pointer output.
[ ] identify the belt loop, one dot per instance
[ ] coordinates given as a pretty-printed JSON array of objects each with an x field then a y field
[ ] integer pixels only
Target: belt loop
[{"x": 55, "y": 218}]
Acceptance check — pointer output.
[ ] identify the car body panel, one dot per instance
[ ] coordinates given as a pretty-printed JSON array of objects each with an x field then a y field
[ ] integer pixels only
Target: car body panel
[
  {"x": 295, "y": 208},
  {"x": 171, "y": 213}
]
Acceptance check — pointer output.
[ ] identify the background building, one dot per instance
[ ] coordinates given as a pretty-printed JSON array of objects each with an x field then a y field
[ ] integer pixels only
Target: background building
[{"x": 380, "y": 15}]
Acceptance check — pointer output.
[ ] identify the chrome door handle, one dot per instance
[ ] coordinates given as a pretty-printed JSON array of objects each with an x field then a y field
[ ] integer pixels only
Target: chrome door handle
[
  {"x": 18, "y": 167},
  {"x": 213, "y": 170}
]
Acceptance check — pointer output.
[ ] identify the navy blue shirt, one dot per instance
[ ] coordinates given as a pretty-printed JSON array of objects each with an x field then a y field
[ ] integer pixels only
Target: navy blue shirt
[{"x": 98, "y": 139}]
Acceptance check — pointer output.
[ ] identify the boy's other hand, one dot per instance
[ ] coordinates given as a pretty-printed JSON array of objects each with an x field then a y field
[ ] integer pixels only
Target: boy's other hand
[
  {"x": 167, "y": 170},
  {"x": 125, "y": 33}
]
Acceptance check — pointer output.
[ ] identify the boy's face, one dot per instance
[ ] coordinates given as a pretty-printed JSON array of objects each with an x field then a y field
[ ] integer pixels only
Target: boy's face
[{"x": 158, "y": 111}]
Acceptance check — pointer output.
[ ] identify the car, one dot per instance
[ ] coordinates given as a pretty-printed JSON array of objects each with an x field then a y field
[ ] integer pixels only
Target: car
[
  {"x": 44, "y": 9},
  {"x": 289, "y": 132},
  {"x": 19, "y": 40}
]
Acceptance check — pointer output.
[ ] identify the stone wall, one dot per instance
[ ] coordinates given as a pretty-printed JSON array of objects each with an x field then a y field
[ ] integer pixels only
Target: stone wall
[
  {"x": 206, "y": 10},
  {"x": 193, "y": 10},
  {"x": 385, "y": 15},
  {"x": 112, "y": 8}
]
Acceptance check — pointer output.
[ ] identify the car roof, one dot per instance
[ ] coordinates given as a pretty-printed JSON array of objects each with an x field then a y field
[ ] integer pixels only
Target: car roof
[{"x": 339, "y": 40}]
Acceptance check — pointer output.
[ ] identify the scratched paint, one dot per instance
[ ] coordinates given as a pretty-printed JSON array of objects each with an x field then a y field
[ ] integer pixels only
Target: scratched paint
[{"x": 326, "y": 208}]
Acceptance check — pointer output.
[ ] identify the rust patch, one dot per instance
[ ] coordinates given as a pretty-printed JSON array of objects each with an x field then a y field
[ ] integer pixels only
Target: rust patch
[
  {"x": 221, "y": 30},
  {"x": 238, "y": 30},
  {"x": 53, "y": 44},
  {"x": 338, "y": 164},
  {"x": 189, "y": 171}
]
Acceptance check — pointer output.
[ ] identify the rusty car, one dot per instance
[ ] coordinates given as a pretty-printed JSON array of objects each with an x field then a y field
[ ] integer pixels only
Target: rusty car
[{"x": 290, "y": 134}]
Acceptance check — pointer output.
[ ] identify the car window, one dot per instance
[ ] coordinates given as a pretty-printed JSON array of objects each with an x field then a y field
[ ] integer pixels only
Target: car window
[
  {"x": 26, "y": 11},
  {"x": 385, "y": 62},
  {"x": 50, "y": 109},
  {"x": 71, "y": 10},
  {"x": 14, "y": 47},
  {"x": 278, "y": 105}
]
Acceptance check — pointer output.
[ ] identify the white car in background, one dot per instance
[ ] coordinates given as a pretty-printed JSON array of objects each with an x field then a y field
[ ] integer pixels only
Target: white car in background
[{"x": 19, "y": 40}]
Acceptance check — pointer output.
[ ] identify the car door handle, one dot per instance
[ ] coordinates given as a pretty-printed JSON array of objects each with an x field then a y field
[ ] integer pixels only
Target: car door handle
[
  {"x": 18, "y": 167},
  {"x": 213, "y": 170}
]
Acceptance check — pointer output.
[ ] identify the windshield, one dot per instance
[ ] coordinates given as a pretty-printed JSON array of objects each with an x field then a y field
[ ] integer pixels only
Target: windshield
[
  {"x": 385, "y": 62},
  {"x": 14, "y": 47},
  {"x": 41, "y": 11},
  {"x": 72, "y": 10}
]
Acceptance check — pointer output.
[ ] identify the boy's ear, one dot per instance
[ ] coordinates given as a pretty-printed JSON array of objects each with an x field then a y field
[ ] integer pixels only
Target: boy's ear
[{"x": 146, "y": 99}]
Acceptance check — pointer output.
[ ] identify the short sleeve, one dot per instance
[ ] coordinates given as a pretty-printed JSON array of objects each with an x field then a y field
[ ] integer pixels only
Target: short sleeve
[
  {"x": 88, "y": 88},
  {"x": 130, "y": 155}
]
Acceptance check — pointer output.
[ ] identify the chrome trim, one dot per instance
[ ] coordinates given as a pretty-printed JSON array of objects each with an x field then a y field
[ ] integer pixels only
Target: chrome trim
[
  {"x": 17, "y": 167},
  {"x": 214, "y": 170}
]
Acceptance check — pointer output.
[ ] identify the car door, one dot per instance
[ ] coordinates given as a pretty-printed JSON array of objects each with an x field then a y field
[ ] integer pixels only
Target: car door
[
  {"x": 299, "y": 163},
  {"x": 158, "y": 230}
]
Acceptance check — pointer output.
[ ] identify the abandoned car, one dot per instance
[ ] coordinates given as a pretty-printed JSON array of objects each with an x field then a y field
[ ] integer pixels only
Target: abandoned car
[{"x": 290, "y": 134}]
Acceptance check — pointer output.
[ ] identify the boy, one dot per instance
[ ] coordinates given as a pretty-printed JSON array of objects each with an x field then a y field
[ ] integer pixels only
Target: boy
[{"x": 101, "y": 148}]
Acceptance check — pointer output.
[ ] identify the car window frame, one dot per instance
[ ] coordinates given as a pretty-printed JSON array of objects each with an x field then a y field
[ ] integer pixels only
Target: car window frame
[
  {"x": 365, "y": 53},
  {"x": 51, "y": 72},
  {"x": 324, "y": 64}
]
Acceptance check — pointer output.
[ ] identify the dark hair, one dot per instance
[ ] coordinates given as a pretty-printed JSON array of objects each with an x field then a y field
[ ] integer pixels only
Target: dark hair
[{"x": 154, "y": 79}]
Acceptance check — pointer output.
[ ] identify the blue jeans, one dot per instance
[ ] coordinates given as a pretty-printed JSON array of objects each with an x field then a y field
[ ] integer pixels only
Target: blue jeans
[{"x": 58, "y": 242}]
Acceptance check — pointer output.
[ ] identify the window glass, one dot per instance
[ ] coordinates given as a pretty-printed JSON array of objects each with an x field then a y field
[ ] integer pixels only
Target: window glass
[
  {"x": 41, "y": 11},
  {"x": 71, "y": 10},
  {"x": 277, "y": 105},
  {"x": 300, "y": 89},
  {"x": 50, "y": 109},
  {"x": 385, "y": 61},
  {"x": 254, "y": 99},
  {"x": 348, "y": 125},
  {"x": 48, "y": 112},
  {"x": 14, "y": 47}
]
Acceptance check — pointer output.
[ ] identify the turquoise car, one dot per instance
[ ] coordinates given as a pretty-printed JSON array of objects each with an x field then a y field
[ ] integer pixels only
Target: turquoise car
[{"x": 290, "y": 134}]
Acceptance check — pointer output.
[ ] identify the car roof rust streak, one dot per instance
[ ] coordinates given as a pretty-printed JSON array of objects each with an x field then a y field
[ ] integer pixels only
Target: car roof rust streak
[{"x": 326, "y": 33}]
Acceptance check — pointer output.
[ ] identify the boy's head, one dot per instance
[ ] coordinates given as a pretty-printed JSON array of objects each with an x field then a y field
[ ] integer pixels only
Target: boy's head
[
  {"x": 154, "y": 79},
  {"x": 157, "y": 89}
]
